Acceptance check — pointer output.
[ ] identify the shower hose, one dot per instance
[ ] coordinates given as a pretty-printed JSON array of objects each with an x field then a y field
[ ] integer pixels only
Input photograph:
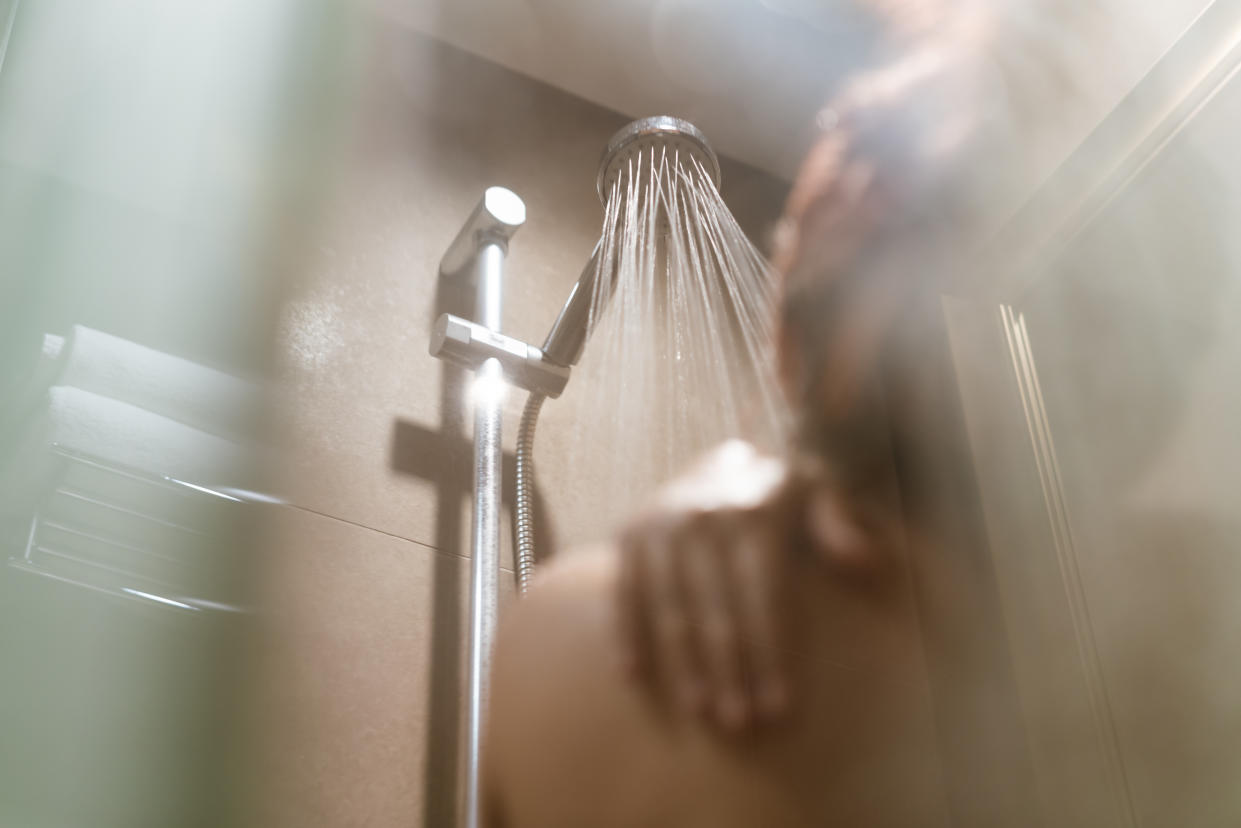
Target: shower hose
[{"x": 524, "y": 508}]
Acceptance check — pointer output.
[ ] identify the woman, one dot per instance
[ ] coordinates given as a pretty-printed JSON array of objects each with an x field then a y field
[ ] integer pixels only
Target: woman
[{"x": 751, "y": 575}]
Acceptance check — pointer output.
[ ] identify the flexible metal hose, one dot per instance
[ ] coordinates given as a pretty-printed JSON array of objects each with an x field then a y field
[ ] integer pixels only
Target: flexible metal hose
[{"x": 524, "y": 509}]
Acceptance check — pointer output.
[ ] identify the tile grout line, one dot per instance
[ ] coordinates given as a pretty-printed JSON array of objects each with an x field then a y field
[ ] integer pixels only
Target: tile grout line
[{"x": 393, "y": 535}]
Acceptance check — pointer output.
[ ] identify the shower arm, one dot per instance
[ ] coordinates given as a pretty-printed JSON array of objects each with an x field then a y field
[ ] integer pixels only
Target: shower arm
[
  {"x": 567, "y": 338},
  {"x": 544, "y": 371}
]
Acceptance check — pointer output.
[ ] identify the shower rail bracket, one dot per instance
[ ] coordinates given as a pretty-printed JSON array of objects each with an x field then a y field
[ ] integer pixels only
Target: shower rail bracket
[{"x": 470, "y": 344}]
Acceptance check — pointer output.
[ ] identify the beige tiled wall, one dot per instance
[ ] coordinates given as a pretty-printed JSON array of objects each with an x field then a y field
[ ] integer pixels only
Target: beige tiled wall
[{"x": 362, "y": 668}]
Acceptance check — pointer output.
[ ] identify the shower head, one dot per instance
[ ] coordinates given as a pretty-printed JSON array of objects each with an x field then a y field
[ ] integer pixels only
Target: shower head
[
  {"x": 640, "y": 139},
  {"x": 648, "y": 136}
]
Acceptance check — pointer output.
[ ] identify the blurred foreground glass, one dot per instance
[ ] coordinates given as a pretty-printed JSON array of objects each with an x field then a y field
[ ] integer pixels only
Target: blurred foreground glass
[
  {"x": 1100, "y": 397},
  {"x": 149, "y": 155}
]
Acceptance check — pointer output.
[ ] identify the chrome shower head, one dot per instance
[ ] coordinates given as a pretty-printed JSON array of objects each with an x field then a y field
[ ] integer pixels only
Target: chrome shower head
[
  {"x": 647, "y": 136},
  {"x": 639, "y": 139}
]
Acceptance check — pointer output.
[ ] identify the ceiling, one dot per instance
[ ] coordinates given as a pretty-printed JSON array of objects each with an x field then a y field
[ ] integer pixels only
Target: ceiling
[{"x": 752, "y": 74}]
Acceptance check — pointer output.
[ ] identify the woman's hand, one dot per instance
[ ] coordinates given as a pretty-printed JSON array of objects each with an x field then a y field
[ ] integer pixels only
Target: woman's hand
[{"x": 703, "y": 576}]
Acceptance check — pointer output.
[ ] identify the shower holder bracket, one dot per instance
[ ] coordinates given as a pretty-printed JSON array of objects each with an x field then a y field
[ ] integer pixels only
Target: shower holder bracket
[{"x": 470, "y": 344}]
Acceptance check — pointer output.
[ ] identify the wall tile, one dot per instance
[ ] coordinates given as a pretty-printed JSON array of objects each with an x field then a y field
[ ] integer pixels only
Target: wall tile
[{"x": 359, "y": 676}]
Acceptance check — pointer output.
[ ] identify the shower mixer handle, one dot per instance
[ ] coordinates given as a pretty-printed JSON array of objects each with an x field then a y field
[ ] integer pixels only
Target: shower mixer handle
[{"x": 470, "y": 344}]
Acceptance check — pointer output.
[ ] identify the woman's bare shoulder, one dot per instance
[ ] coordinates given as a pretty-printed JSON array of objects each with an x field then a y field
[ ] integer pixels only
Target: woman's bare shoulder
[
  {"x": 557, "y": 684},
  {"x": 569, "y": 608},
  {"x": 570, "y": 595},
  {"x": 586, "y": 568}
]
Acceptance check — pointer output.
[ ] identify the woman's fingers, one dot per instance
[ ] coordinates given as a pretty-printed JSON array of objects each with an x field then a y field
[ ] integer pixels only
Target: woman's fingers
[
  {"x": 633, "y": 610},
  {"x": 714, "y": 627},
  {"x": 699, "y": 587},
  {"x": 675, "y": 655},
  {"x": 704, "y": 574},
  {"x": 759, "y": 575}
]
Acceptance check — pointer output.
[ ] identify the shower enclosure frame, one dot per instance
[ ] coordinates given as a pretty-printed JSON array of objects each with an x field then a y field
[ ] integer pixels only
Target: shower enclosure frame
[{"x": 1009, "y": 434}]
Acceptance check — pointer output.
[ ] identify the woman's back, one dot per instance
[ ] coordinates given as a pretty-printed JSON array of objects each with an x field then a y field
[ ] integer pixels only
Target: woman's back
[{"x": 572, "y": 743}]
